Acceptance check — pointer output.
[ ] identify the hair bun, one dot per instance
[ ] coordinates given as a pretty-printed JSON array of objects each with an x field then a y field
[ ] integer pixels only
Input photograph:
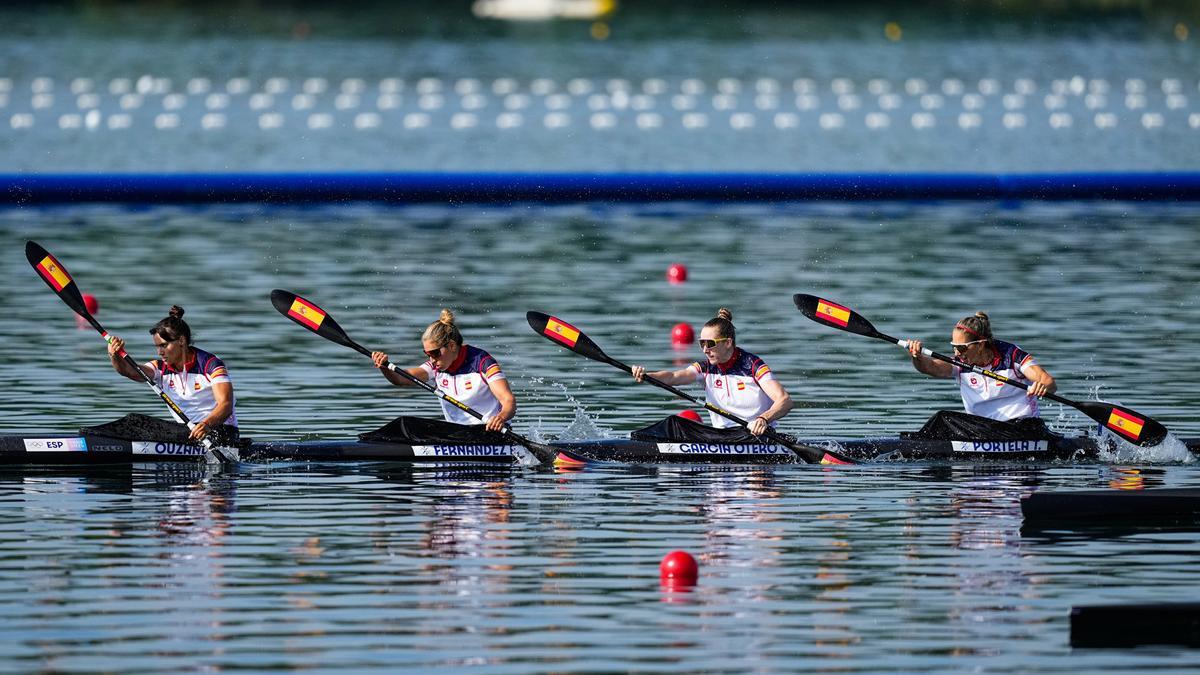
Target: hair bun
[
  {"x": 446, "y": 317},
  {"x": 176, "y": 311},
  {"x": 983, "y": 315},
  {"x": 724, "y": 313}
]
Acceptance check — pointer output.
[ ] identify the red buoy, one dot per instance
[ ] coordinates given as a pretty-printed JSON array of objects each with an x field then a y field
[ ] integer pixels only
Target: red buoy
[
  {"x": 690, "y": 415},
  {"x": 679, "y": 567},
  {"x": 677, "y": 274},
  {"x": 91, "y": 303},
  {"x": 682, "y": 335}
]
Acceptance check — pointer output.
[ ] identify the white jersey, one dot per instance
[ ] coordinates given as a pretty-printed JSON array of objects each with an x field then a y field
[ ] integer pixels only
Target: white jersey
[
  {"x": 191, "y": 388},
  {"x": 466, "y": 380},
  {"x": 735, "y": 386},
  {"x": 991, "y": 398}
]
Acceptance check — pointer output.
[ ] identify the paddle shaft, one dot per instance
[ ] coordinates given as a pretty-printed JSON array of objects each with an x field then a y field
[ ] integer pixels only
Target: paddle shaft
[
  {"x": 508, "y": 432},
  {"x": 176, "y": 411},
  {"x": 1130, "y": 424},
  {"x": 67, "y": 290},
  {"x": 976, "y": 369},
  {"x": 809, "y": 455},
  {"x": 565, "y": 335}
]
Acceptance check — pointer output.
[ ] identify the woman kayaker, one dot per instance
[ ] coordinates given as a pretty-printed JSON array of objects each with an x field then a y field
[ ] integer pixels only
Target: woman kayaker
[
  {"x": 734, "y": 379},
  {"x": 196, "y": 380},
  {"x": 461, "y": 371},
  {"x": 985, "y": 397}
]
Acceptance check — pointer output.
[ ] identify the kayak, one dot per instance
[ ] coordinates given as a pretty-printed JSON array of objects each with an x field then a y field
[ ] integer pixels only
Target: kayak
[{"x": 87, "y": 449}]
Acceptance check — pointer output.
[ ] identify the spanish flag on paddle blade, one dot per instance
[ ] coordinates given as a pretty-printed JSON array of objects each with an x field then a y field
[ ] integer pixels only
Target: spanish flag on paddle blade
[
  {"x": 561, "y": 331},
  {"x": 833, "y": 313},
  {"x": 1125, "y": 424},
  {"x": 306, "y": 314},
  {"x": 53, "y": 273}
]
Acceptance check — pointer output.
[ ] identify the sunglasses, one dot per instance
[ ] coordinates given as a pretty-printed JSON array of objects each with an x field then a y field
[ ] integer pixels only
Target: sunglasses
[
  {"x": 962, "y": 346},
  {"x": 709, "y": 344},
  {"x": 433, "y": 353}
]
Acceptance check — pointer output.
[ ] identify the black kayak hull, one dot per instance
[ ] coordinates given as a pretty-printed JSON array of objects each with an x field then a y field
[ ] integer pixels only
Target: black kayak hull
[{"x": 74, "y": 449}]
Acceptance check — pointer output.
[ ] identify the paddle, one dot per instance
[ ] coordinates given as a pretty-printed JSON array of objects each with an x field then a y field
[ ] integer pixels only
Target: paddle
[
  {"x": 60, "y": 281},
  {"x": 308, "y": 315},
  {"x": 1127, "y": 423},
  {"x": 565, "y": 335}
]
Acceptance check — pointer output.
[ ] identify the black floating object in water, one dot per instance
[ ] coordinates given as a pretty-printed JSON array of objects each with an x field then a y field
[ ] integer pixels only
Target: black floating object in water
[
  {"x": 1123, "y": 626},
  {"x": 1152, "y": 507}
]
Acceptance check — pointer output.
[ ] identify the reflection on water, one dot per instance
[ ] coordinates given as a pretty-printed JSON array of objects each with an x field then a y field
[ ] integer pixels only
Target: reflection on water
[{"x": 385, "y": 564}]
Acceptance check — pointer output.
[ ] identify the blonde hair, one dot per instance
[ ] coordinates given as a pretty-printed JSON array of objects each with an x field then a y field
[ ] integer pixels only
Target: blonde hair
[
  {"x": 723, "y": 322},
  {"x": 443, "y": 330},
  {"x": 979, "y": 326}
]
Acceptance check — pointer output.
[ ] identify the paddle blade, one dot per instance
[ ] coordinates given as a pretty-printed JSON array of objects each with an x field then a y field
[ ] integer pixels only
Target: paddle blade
[
  {"x": 831, "y": 313},
  {"x": 56, "y": 277},
  {"x": 1127, "y": 424},
  {"x": 565, "y": 335},
  {"x": 307, "y": 314}
]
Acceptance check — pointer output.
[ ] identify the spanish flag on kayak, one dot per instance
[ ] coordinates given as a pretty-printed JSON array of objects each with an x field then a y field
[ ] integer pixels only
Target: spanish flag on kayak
[
  {"x": 561, "y": 331},
  {"x": 306, "y": 314},
  {"x": 53, "y": 273},
  {"x": 1127, "y": 425},
  {"x": 833, "y": 313}
]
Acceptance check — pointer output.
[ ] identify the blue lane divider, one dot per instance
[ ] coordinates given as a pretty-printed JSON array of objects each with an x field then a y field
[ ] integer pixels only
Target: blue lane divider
[{"x": 492, "y": 188}]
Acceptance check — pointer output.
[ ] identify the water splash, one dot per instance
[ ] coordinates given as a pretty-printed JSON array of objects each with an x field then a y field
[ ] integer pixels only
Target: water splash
[
  {"x": 1116, "y": 450},
  {"x": 581, "y": 427}
]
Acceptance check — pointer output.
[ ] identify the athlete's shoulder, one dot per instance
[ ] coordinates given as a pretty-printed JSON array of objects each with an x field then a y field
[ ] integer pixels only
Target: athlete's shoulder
[
  {"x": 1011, "y": 354},
  {"x": 478, "y": 360},
  {"x": 210, "y": 364}
]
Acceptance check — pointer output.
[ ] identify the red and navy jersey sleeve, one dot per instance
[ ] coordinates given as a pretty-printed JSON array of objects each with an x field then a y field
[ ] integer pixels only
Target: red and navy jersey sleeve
[
  {"x": 488, "y": 367},
  {"x": 212, "y": 367},
  {"x": 758, "y": 368}
]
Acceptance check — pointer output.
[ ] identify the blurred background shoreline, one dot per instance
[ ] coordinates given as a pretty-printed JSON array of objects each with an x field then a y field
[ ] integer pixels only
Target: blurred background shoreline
[{"x": 648, "y": 87}]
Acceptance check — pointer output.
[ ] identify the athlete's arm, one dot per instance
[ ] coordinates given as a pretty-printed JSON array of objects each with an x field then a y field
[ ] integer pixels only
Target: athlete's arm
[
  {"x": 684, "y": 376},
  {"x": 381, "y": 358},
  {"x": 928, "y": 365},
  {"x": 781, "y": 406},
  {"x": 223, "y": 395},
  {"x": 508, "y": 404},
  {"x": 122, "y": 365},
  {"x": 1042, "y": 382}
]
